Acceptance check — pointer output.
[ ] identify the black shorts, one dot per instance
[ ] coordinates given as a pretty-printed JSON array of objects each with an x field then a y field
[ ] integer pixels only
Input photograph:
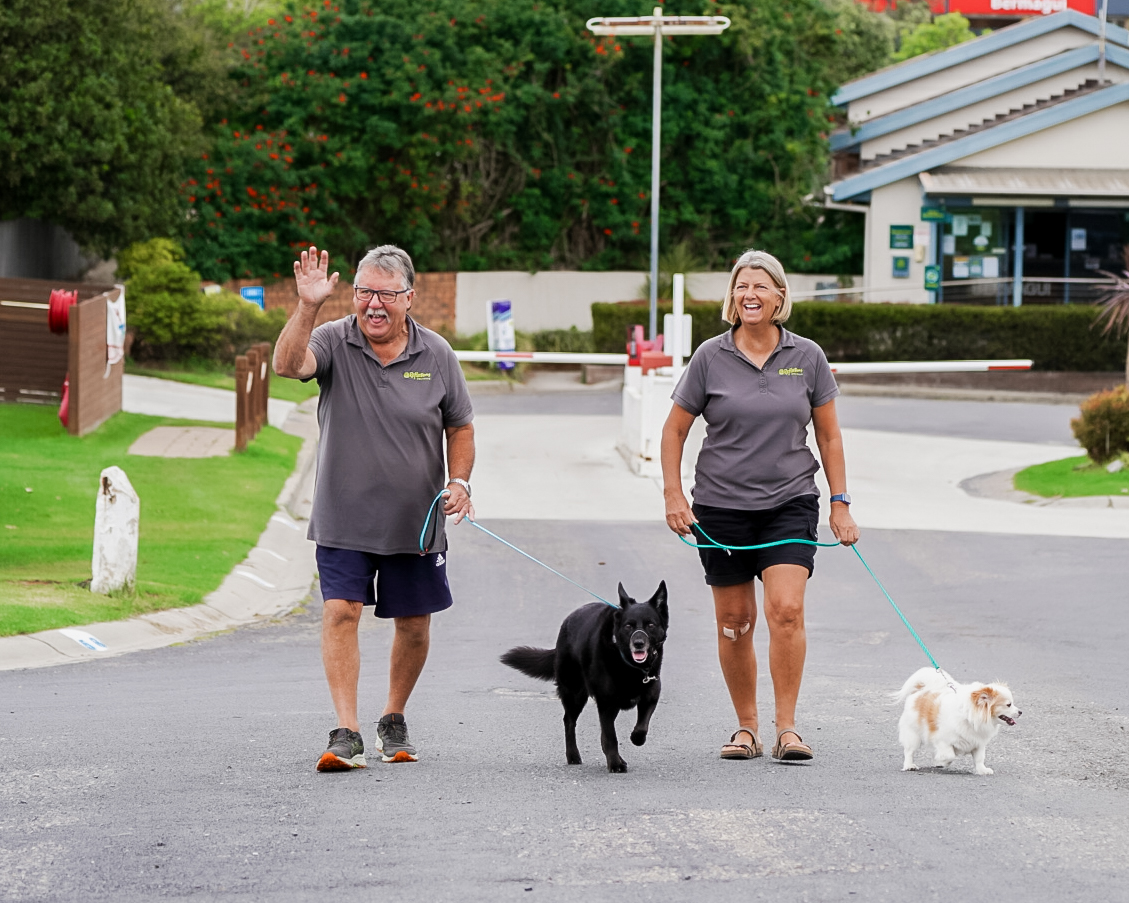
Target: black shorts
[
  {"x": 406, "y": 585},
  {"x": 797, "y": 518}
]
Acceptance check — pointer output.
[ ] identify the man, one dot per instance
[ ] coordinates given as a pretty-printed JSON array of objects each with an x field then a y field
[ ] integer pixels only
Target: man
[{"x": 391, "y": 391}]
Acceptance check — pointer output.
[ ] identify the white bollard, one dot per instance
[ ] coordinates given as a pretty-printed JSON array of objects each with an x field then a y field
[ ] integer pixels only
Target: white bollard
[{"x": 116, "y": 518}]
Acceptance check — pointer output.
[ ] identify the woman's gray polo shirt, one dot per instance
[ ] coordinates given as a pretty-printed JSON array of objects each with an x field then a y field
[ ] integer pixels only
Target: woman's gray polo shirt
[
  {"x": 381, "y": 454},
  {"x": 755, "y": 455}
]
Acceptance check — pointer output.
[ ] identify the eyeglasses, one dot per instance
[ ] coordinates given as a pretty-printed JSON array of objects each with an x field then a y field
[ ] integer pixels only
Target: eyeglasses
[{"x": 386, "y": 296}]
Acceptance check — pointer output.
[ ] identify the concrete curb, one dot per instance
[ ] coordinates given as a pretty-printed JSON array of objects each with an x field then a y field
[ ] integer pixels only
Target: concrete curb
[
  {"x": 273, "y": 580},
  {"x": 955, "y": 394}
]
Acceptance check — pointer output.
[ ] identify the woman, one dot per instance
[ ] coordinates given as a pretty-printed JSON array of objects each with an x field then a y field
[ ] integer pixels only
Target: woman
[{"x": 758, "y": 386}]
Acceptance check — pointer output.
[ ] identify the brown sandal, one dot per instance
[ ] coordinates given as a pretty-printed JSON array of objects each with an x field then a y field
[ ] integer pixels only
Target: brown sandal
[
  {"x": 791, "y": 752},
  {"x": 735, "y": 750}
]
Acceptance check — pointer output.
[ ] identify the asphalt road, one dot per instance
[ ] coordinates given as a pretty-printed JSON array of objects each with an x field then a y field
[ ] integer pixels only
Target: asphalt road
[
  {"x": 187, "y": 772},
  {"x": 1012, "y": 422}
]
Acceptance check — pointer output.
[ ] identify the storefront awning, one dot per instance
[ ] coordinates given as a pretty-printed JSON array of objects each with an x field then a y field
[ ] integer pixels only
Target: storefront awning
[{"x": 1002, "y": 183}]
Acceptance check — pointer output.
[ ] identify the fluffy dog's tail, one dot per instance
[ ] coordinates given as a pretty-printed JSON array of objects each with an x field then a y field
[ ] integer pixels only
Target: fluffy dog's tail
[
  {"x": 922, "y": 679},
  {"x": 539, "y": 663}
]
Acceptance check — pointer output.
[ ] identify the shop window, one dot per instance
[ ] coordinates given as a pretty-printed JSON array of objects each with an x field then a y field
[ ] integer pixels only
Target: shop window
[{"x": 975, "y": 249}]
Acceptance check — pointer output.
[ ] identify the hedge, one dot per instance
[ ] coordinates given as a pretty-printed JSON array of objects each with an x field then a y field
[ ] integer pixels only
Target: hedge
[{"x": 1062, "y": 337}]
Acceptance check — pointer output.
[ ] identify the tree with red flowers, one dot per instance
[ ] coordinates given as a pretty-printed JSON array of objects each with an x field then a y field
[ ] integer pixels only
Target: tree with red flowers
[{"x": 502, "y": 134}]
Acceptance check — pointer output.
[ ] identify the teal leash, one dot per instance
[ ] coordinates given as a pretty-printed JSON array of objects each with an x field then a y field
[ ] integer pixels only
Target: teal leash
[
  {"x": 714, "y": 544},
  {"x": 423, "y": 548},
  {"x": 710, "y": 543}
]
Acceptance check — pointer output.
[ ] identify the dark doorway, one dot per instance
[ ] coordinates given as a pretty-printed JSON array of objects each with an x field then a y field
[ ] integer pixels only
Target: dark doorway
[{"x": 1044, "y": 244}]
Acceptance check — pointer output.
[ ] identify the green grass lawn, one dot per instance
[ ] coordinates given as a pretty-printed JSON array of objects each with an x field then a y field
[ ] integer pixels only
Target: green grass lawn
[
  {"x": 199, "y": 516},
  {"x": 224, "y": 378},
  {"x": 1072, "y": 478}
]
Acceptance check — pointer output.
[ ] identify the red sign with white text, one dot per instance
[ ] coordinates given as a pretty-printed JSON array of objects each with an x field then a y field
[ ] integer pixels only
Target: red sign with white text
[{"x": 1010, "y": 8}]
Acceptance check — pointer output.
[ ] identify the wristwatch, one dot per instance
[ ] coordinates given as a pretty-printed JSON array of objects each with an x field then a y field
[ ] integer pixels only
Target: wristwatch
[
  {"x": 844, "y": 497},
  {"x": 462, "y": 483}
]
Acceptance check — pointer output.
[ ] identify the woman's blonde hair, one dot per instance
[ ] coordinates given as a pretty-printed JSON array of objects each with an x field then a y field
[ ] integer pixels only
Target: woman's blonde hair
[{"x": 758, "y": 260}]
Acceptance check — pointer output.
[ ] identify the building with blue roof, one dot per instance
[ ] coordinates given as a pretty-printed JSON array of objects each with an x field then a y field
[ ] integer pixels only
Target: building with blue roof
[{"x": 995, "y": 171}]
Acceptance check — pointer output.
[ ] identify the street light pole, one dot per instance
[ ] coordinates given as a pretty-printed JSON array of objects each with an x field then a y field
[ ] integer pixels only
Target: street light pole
[
  {"x": 656, "y": 140},
  {"x": 657, "y": 25}
]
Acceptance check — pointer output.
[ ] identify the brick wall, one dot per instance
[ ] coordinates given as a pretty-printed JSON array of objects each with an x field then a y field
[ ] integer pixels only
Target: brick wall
[{"x": 433, "y": 306}]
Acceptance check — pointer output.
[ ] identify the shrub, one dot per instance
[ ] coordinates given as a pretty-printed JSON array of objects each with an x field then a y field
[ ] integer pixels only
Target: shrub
[
  {"x": 571, "y": 339},
  {"x": 172, "y": 320},
  {"x": 1055, "y": 338},
  {"x": 1103, "y": 426},
  {"x": 610, "y": 322}
]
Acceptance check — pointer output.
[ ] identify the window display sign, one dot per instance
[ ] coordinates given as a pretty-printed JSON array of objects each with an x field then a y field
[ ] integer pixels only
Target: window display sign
[
  {"x": 901, "y": 237},
  {"x": 1077, "y": 239}
]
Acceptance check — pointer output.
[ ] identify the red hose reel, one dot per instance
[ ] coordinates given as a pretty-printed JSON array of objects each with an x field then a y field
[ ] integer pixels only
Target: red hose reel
[
  {"x": 58, "y": 321},
  {"x": 59, "y": 310}
]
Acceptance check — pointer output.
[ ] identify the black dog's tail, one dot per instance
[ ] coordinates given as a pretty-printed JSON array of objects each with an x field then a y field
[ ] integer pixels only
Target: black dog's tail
[{"x": 539, "y": 663}]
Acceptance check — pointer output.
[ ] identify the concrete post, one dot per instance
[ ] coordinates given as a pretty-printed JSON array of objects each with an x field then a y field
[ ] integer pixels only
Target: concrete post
[{"x": 117, "y": 514}]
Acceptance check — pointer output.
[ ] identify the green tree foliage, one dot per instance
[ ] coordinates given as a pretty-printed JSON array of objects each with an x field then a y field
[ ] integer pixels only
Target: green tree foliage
[
  {"x": 172, "y": 320},
  {"x": 502, "y": 134},
  {"x": 96, "y": 117},
  {"x": 864, "y": 40},
  {"x": 944, "y": 31}
]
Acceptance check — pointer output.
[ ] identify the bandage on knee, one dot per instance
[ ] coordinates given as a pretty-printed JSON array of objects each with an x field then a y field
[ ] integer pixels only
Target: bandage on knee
[{"x": 732, "y": 634}]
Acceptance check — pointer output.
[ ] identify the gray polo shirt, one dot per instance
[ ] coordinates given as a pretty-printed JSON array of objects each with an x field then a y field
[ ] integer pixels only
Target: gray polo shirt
[
  {"x": 381, "y": 454},
  {"x": 755, "y": 455}
]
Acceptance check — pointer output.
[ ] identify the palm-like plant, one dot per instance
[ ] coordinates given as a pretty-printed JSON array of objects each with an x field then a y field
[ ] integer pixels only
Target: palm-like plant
[
  {"x": 679, "y": 259},
  {"x": 1115, "y": 308}
]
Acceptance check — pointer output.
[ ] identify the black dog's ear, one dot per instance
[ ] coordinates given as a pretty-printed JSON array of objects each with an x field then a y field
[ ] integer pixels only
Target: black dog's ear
[
  {"x": 658, "y": 600},
  {"x": 624, "y": 599}
]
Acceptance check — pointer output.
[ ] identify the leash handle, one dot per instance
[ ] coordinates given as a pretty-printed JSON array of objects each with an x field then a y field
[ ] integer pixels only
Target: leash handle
[{"x": 424, "y": 547}]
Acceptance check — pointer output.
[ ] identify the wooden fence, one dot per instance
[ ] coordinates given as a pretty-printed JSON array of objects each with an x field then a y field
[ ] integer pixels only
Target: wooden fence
[
  {"x": 252, "y": 391},
  {"x": 34, "y": 362}
]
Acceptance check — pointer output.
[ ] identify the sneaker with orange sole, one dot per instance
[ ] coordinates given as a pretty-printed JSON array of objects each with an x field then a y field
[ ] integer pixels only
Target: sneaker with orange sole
[
  {"x": 346, "y": 751},
  {"x": 392, "y": 739}
]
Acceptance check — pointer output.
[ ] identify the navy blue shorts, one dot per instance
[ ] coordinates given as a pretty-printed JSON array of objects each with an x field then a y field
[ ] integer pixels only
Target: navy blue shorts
[
  {"x": 406, "y": 585},
  {"x": 797, "y": 518}
]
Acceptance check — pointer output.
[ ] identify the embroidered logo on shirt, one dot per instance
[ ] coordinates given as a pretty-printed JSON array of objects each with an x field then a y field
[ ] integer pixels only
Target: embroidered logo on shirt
[
  {"x": 790, "y": 371},
  {"x": 417, "y": 374}
]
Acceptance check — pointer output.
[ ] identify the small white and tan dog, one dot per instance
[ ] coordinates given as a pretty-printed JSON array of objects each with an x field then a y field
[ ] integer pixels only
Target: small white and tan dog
[{"x": 955, "y": 719}]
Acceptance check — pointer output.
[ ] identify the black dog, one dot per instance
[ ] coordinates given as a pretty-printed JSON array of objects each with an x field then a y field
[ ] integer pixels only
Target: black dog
[{"x": 614, "y": 656}]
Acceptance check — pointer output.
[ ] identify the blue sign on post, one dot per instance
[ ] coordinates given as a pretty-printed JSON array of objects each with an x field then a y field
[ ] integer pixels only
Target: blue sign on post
[
  {"x": 500, "y": 330},
  {"x": 253, "y": 294}
]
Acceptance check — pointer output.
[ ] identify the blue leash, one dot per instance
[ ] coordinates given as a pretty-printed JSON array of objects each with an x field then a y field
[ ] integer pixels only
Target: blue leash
[
  {"x": 714, "y": 544},
  {"x": 423, "y": 548}
]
